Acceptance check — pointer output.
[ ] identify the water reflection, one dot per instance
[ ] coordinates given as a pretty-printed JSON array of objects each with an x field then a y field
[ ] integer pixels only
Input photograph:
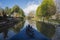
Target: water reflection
[
  {"x": 19, "y": 26},
  {"x": 5, "y": 31},
  {"x": 33, "y": 24},
  {"x": 8, "y": 32},
  {"x": 46, "y": 28}
]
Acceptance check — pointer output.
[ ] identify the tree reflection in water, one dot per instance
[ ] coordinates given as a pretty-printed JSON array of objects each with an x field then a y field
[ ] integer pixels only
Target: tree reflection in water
[
  {"x": 33, "y": 24},
  {"x": 18, "y": 26},
  {"x": 5, "y": 32},
  {"x": 46, "y": 28},
  {"x": 15, "y": 28}
]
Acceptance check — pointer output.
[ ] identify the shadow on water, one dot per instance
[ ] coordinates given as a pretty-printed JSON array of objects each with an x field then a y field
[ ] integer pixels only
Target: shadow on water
[
  {"x": 18, "y": 26},
  {"x": 14, "y": 29},
  {"x": 10, "y": 28},
  {"x": 46, "y": 29},
  {"x": 5, "y": 32},
  {"x": 29, "y": 33}
]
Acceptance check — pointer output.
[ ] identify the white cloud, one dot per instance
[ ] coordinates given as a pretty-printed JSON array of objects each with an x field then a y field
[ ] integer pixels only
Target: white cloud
[{"x": 31, "y": 6}]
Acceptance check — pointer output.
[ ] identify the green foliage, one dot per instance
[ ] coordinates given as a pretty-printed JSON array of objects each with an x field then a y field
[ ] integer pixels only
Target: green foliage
[
  {"x": 17, "y": 9},
  {"x": 46, "y": 29},
  {"x": 1, "y": 10},
  {"x": 38, "y": 11},
  {"x": 21, "y": 12},
  {"x": 7, "y": 10},
  {"x": 10, "y": 11},
  {"x": 46, "y": 9}
]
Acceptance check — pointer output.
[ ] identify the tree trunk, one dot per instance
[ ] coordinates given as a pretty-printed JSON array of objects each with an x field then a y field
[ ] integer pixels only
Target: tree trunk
[
  {"x": 48, "y": 20},
  {"x": 43, "y": 19}
]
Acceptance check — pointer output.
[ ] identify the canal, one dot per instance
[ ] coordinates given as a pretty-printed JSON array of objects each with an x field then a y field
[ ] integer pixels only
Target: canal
[{"x": 46, "y": 29}]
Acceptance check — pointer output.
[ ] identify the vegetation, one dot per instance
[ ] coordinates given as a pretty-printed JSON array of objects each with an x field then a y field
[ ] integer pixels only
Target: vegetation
[
  {"x": 18, "y": 10},
  {"x": 10, "y": 11},
  {"x": 38, "y": 12},
  {"x": 46, "y": 29},
  {"x": 46, "y": 9},
  {"x": 7, "y": 10},
  {"x": 31, "y": 15}
]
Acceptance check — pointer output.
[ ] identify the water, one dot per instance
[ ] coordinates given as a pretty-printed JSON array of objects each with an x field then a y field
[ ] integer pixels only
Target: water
[
  {"x": 9, "y": 32},
  {"x": 31, "y": 23},
  {"x": 57, "y": 34}
]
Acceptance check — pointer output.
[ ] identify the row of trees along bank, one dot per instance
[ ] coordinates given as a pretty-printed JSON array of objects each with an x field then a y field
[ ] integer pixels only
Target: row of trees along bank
[
  {"x": 46, "y": 9},
  {"x": 15, "y": 11}
]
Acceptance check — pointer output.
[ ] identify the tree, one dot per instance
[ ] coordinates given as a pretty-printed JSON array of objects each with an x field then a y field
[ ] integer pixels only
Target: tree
[
  {"x": 18, "y": 10},
  {"x": 7, "y": 10},
  {"x": 38, "y": 13},
  {"x": 15, "y": 8},
  {"x": 31, "y": 14},
  {"x": 21, "y": 12},
  {"x": 1, "y": 10},
  {"x": 47, "y": 9}
]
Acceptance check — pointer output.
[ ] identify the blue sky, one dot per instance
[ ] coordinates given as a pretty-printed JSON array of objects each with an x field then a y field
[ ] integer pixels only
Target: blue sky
[{"x": 24, "y": 4}]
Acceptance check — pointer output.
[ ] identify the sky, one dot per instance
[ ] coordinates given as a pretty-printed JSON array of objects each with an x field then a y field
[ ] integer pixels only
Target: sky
[{"x": 26, "y": 5}]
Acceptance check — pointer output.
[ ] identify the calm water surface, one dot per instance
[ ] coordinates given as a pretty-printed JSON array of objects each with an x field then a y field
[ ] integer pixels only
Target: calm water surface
[{"x": 8, "y": 32}]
